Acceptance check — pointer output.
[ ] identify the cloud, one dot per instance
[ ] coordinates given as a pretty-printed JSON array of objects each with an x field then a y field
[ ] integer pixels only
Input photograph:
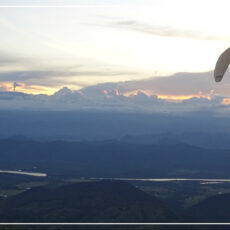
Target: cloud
[
  {"x": 7, "y": 59},
  {"x": 144, "y": 97},
  {"x": 54, "y": 78},
  {"x": 165, "y": 31},
  {"x": 180, "y": 84},
  {"x": 28, "y": 75},
  {"x": 68, "y": 100}
]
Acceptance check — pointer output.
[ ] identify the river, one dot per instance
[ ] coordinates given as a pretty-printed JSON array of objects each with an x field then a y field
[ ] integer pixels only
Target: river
[
  {"x": 37, "y": 174},
  {"x": 167, "y": 179}
]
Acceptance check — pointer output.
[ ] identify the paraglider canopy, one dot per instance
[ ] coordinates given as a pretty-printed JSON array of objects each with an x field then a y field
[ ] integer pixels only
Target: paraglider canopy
[{"x": 222, "y": 65}]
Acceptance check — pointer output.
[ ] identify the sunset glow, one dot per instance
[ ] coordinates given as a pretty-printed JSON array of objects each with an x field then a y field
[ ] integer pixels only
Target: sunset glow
[
  {"x": 181, "y": 97},
  {"x": 226, "y": 101},
  {"x": 32, "y": 89}
]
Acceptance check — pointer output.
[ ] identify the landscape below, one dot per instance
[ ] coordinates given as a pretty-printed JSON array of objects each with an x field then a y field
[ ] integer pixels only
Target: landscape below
[{"x": 99, "y": 182}]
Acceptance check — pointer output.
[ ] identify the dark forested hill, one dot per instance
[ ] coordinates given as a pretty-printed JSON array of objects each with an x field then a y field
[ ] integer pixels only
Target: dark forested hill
[
  {"x": 104, "y": 201},
  {"x": 212, "y": 209}
]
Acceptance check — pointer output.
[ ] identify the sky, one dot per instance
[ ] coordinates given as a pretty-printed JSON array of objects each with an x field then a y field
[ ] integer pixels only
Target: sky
[{"x": 46, "y": 45}]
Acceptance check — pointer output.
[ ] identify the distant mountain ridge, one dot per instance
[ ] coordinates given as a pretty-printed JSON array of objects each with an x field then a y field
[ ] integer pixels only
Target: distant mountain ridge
[
  {"x": 96, "y": 125},
  {"x": 114, "y": 159},
  {"x": 200, "y": 139}
]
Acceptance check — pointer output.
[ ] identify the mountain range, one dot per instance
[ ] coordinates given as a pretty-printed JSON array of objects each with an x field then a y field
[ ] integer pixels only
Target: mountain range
[{"x": 114, "y": 159}]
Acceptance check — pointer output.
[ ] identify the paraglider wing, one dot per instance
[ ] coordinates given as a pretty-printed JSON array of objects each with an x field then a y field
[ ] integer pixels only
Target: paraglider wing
[{"x": 222, "y": 65}]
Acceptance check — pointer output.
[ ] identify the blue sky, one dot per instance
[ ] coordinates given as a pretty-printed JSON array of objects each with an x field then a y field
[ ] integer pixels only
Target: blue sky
[{"x": 46, "y": 45}]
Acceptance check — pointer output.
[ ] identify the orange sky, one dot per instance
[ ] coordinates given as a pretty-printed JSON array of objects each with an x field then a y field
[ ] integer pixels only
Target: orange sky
[
  {"x": 32, "y": 89},
  {"x": 35, "y": 89}
]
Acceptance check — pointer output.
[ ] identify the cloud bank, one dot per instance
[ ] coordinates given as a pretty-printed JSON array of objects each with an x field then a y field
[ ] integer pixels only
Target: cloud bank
[{"x": 153, "y": 95}]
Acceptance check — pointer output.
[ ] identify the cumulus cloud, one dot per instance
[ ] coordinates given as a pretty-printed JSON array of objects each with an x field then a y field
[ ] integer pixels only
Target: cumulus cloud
[
  {"x": 115, "y": 97},
  {"x": 65, "y": 99}
]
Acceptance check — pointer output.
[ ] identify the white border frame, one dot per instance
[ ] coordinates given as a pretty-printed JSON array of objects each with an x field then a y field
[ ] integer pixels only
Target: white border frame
[{"x": 118, "y": 224}]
